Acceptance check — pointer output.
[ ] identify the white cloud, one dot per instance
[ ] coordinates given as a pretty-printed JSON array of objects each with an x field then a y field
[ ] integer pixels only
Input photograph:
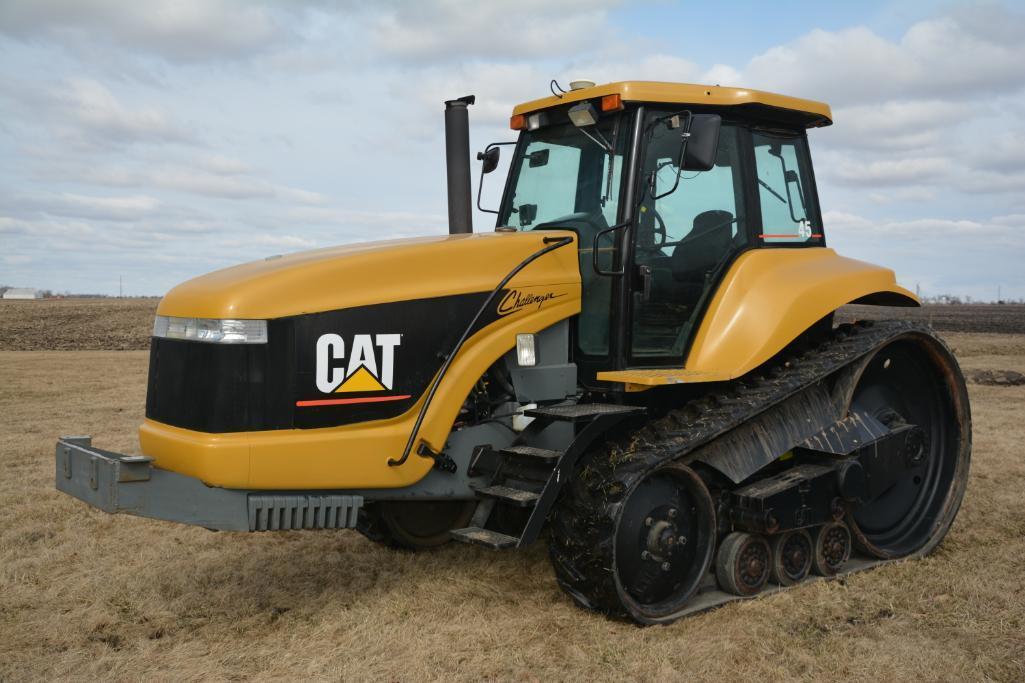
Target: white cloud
[
  {"x": 177, "y": 30},
  {"x": 104, "y": 208},
  {"x": 222, "y": 165},
  {"x": 267, "y": 126},
  {"x": 442, "y": 30},
  {"x": 93, "y": 107},
  {"x": 889, "y": 172},
  {"x": 949, "y": 57},
  {"x": 898, "y": 124}
]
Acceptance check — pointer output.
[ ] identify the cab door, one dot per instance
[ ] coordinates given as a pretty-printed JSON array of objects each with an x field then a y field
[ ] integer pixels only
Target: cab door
[{"x": 682, "y": 240}]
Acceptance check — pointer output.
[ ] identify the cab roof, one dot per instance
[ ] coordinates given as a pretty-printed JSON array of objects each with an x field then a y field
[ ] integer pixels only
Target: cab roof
[{"x": 758, "y": 104}]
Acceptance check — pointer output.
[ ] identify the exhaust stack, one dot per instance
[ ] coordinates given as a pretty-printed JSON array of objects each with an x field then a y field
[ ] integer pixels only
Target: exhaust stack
[{"x": 457, "y": 164}]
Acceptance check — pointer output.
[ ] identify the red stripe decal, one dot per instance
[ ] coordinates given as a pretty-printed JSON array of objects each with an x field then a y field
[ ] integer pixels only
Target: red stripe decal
[{"x": 349, "y": 401}]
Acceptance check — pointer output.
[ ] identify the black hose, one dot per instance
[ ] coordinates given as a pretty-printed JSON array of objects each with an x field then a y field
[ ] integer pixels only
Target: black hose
[{"x": 557, "y": 244}]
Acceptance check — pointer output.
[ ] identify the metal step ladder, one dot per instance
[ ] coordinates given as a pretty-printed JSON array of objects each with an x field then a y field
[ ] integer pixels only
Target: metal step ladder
[{"x": 527, "y": 477}]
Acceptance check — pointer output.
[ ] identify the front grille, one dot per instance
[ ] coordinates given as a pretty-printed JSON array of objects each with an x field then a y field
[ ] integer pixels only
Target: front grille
[
  {"x": 282, "y": 513},
  {"x": 223, "y": 387}
]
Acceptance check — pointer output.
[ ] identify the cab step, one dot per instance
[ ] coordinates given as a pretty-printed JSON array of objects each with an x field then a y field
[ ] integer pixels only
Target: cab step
[
  {"x": 541, "y": 454},
  {"x": 485, "y": 537},
  {"x": 580, "y": 412},
  {"x": 511, "y": 496}
]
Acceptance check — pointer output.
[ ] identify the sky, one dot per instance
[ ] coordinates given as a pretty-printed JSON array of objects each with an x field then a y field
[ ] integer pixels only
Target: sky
[{"x": 150, "y": 142}]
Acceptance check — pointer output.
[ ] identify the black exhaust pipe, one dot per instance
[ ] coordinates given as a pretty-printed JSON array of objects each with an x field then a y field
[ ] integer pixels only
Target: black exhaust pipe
[{"x": 457, "y": 163}]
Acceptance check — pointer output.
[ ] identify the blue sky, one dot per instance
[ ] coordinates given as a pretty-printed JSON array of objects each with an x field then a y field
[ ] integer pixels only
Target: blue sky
[{"x": 157, "y": 141}]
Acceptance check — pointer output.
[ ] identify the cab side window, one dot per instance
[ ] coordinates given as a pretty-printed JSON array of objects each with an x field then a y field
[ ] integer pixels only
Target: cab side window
[{"x": 784, "y": 191}]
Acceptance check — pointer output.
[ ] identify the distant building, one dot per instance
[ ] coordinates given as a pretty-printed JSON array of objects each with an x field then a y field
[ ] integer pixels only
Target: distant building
[{"x": 21, "y": 293}]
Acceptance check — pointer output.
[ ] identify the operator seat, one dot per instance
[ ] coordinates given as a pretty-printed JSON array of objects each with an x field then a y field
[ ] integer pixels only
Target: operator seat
[{"x": 697, "y": 253}]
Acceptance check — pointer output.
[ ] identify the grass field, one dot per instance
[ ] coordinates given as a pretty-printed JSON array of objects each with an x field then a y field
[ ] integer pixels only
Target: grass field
[{"x": 85, "y": 595}]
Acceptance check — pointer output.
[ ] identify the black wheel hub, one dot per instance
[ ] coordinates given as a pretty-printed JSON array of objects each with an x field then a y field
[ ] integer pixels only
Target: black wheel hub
[
  {"x": 795, "y": 556},
  {"x": 835, "y": 547},
  {"x": 753, "y": 565},
  {"x": 901, "y": 385},
  {"x": 663, "y": 540}
]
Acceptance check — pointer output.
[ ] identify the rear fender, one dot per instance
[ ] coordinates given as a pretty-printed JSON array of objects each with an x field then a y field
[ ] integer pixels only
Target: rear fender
[{"x": 769, "y": 297}]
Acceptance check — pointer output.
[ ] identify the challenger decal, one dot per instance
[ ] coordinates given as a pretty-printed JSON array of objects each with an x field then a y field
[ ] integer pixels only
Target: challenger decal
[
  {"x": 515, "y": 300},
  {"x": 370, "y": 368}
]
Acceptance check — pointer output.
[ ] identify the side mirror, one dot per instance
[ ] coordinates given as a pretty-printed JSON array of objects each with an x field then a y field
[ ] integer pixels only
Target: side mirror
[
  {"x": 490, "y": 158},
  {"x": 703, "y": 144}
]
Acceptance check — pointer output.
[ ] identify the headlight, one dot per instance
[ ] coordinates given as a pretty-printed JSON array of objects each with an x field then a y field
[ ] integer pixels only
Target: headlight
[
  {"x": 525, "y": 355},
  {"x": 211, "y": 330}
]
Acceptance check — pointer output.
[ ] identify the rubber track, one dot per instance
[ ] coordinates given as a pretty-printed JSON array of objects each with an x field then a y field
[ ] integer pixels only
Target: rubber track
[{"x": 583, "y": 521}]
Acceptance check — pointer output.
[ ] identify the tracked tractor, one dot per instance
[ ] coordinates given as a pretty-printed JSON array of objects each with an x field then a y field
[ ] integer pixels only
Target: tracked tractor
[{"x": 638, "y": 365}]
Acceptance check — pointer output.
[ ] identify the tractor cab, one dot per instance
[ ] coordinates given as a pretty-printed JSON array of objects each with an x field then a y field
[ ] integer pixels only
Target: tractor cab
[{"x": 665, "y": 186}]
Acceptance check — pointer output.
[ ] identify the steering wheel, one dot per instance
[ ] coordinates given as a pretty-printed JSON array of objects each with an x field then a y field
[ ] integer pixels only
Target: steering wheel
[{"x": 659, "y": 229}]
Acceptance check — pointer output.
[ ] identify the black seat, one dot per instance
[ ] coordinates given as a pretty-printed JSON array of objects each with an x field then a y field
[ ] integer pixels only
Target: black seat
[{"x": 703, "y": 247}]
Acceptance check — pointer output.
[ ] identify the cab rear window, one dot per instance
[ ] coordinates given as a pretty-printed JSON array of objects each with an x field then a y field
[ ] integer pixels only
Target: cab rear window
[{"x": 785, "y": 192}]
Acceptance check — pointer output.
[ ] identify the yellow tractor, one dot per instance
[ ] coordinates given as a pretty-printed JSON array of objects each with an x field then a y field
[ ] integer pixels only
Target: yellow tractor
[{"x": 639, "y": 362}]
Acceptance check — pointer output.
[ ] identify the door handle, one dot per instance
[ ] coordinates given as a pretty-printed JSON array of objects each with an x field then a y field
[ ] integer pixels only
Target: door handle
[{"x": 647, "y": 275}]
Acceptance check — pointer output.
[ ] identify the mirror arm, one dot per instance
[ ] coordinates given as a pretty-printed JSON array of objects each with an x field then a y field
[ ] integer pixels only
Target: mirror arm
[
  {"x": 683, "y": 155},
  {"x": 480, "y": 182}
]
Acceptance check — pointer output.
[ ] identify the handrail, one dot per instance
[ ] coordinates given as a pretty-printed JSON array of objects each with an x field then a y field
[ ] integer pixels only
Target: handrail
[
  {"x": 553, "y": 244},
  {"x": 595, "y": 248}
]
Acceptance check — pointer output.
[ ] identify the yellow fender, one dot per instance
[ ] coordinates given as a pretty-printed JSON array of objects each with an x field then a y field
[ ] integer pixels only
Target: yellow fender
[{"x": 767, "y": 299}]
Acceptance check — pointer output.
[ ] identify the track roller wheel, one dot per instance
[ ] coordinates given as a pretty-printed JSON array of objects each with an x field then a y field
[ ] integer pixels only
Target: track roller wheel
[
  {"x": 832, "y": 545},
  {"x": 791, "y": 557},
  {"x": 743, "y": 563}
]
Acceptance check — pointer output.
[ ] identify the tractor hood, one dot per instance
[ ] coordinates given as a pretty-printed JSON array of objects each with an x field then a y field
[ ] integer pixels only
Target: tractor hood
[{"x": 370, "y": 273}]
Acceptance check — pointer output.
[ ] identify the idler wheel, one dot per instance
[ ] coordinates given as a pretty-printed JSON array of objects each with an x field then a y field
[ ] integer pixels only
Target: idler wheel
[
  {"x": 743, "y": 563},
  {"x": 663, "y": 542},
  {"x": 791, "y": 557}
]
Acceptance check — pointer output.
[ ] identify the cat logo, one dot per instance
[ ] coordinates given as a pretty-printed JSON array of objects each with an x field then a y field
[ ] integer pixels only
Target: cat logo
[{"x": 370, "y": 368}]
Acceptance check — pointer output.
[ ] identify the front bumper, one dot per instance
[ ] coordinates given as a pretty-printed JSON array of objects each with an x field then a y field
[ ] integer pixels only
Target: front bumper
[{"x": 130, "y": 484}]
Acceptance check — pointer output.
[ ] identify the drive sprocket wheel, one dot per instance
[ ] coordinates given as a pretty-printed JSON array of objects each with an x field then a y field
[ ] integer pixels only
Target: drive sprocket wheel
[
  {"x": 414, "y": 524},
  {"x": 743, "y": 563},
  {"x": 637, "y": 544},
  {"x": 831, "y": 548},
  {"x": 915, "y": 380},
  {"x": 791, "y": 557}
]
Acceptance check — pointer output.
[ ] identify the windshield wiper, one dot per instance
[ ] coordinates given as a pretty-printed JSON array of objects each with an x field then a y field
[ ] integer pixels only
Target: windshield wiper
[{"x": 777, "y": 195}]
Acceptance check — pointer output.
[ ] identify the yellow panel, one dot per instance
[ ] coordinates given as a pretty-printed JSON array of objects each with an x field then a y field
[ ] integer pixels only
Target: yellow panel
[
  {"x": 685, "y": 93},
  {"x": 356, "y": 455},
  {"x": 370, "y": 273},
  {"x": 767, "y": 299}
]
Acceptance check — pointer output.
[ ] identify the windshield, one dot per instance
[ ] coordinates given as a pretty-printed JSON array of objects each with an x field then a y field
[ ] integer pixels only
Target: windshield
[{"x": 561, "y": 173}]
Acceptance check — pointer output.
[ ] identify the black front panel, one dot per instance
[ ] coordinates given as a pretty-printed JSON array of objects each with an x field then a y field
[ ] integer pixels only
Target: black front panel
[
  {"x": 317, "y": 370},
  {"x": 223, "y": 387}
]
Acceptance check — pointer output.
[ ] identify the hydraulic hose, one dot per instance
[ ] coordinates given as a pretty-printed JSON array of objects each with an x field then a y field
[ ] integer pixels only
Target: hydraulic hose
[{"x": 552, "y": 243}]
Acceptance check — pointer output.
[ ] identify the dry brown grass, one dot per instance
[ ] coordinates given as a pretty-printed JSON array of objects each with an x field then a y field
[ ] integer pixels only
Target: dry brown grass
[{"x": 85, "y": 595}]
